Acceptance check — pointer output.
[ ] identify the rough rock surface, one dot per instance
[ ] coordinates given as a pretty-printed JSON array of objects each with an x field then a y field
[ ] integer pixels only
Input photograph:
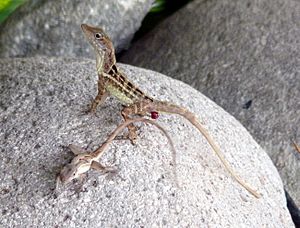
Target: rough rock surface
[
  {"x": 42, "y": 103},
  {"x": 52, "y": 28},
  {"x": 245, "y": 56}
]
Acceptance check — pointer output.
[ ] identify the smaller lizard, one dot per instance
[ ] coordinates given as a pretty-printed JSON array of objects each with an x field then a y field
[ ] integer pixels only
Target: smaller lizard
[
  {"x": 113, "y": 82},
  {"x": 84, "y": 161}
]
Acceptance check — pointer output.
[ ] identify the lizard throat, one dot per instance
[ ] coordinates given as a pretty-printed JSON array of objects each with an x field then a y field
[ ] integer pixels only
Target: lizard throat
[{"x": 99, "y": 63}]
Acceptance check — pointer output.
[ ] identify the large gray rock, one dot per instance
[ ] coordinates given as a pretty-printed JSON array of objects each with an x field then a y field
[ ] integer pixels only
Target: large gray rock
[
  {"x": 244, "y": 55},
  {"x": 52, "y": 28},
  {"x": 42, "y": 103}
]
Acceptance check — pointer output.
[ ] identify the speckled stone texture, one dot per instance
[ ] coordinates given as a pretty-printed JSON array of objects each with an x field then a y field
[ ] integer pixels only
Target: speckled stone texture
[
  {"x": 245, "y": 56},
  {"x": 52, "y": 28},
  {"x": 42, "y": 111}
]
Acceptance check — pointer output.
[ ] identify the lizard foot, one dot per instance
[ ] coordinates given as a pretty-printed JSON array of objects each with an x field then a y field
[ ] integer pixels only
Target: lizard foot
[
  {"x": 88, "y": 111},
  {"x": 111, "y": 170},
  {"x": 128, "y": 136}
]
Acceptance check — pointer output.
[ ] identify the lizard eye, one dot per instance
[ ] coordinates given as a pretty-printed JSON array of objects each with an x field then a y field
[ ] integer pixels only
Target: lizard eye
[{"x": 98, "y": 36}]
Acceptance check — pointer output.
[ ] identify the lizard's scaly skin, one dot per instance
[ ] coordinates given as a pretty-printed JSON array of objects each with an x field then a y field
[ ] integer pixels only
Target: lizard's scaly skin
[
  {"x": 84, "y": 160},
  {"x": 137, "y": 101}
]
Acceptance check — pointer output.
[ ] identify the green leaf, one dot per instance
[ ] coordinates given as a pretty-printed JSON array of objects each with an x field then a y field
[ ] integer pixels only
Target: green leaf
[
  {"x": 7, "y": 7},
  {"x": 158, "y": 6}
]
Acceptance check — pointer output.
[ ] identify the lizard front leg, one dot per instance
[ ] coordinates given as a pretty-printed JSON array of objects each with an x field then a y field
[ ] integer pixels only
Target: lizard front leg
[
  {"x": 101, "y": 96},
  {"x": 104, "y": 169}
]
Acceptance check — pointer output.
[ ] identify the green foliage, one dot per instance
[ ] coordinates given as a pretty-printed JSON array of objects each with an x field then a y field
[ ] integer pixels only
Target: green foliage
[
  {"x": 167, "y": 6},
  {"x": 7, "y": 7},
  {"x": 158, "y": 6},
  {"x": 159, "y": 11}
]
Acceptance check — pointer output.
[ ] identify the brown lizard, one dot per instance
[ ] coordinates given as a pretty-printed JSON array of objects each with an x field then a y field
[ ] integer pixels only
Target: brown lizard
[
  {"x": 84, "y": 160},
  {"x": 113, "y": 82}
]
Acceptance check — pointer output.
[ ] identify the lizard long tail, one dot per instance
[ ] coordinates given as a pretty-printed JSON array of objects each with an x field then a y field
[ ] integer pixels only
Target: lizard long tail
[{"x": 171, "y": 108}]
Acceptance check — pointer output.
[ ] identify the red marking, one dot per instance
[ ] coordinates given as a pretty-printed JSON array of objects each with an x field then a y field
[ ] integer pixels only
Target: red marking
[{"x": 154, "y": 115}]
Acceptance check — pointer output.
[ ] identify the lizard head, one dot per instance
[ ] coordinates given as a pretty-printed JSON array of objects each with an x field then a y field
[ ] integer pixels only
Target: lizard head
[
  {"x": 68, "y": 173},
  {"x": 103, "y": 46},
  {"x": 79, "y": 165},
  {"x": 97, "y": 38}
]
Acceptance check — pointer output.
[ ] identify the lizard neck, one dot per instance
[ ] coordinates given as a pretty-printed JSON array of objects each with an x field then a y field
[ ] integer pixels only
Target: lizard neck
[{"x": 105, "y": 60}]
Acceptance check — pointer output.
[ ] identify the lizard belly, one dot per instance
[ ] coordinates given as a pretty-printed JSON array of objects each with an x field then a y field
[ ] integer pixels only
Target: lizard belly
[{"x": 121, "y": 96}]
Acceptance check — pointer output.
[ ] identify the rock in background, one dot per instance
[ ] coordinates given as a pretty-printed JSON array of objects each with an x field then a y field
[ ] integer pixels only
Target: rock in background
[
  {"x": 244, "y": 55},
  {"x": 42, "y": 111},
  {"x": 52, "y": 28}
]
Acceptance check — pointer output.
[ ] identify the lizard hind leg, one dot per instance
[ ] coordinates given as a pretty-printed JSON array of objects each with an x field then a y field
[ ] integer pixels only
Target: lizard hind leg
[
  {"x": 139, "y": 109},
  {"x": 132, "y": 130}
]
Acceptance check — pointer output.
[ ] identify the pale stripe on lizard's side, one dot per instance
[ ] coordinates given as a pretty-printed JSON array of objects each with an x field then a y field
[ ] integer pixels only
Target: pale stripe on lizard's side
[{"x": 124, "y": 85}]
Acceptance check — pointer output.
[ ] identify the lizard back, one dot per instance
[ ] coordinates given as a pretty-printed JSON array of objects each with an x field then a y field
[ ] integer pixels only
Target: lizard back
[{"x": 120, "y": 87}]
